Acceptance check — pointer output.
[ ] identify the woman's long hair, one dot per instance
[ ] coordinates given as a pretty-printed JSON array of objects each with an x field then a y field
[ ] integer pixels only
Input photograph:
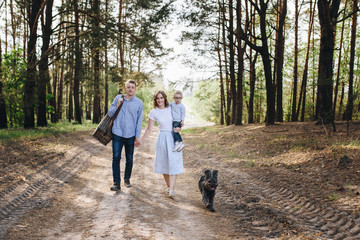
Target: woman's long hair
[{"x": 166, "y": 103}]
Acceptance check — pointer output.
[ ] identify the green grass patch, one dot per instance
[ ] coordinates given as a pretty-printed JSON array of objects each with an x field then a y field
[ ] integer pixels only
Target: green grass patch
[
  {"x": 333, "y": 197},
  {"x": 7, "y": 135},
  {"x": 301, "y": 144},
  {"x": 197, "y": 130}
]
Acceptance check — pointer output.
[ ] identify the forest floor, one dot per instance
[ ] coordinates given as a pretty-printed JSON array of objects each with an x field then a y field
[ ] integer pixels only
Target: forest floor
[{"x": 285, "y": 181}]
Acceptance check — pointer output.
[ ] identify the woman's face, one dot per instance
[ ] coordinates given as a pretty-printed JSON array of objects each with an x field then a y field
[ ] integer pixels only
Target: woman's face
[{"x": 160, "y": 100}]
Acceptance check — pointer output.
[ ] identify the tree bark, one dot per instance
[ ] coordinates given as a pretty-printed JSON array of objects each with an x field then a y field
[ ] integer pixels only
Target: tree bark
[
  {"x": 350, "y": 103},
  {"x": 218, "y": 49},
  {"x": 78, "y": 66},
  {"x": 13, "y": 23},
  {"x": 328, "y": 17},
  {"x": 44, "y": 76},
  {"x": 106, "y": 100},
  {"x": 232, "y": 62},
  {"x": 339, "y": 62},
  {"x": 96, "y": 54},
  {"x": 241, "y": 51},
  {"x": 294, "y": 116},
  {"x": 29, "y": 98},
  {"x": 3, "y": 118},
  {"x": 279, "y": 59},
  {"x": 302, "y": 99},
  {"x": 227, "y": 82}
]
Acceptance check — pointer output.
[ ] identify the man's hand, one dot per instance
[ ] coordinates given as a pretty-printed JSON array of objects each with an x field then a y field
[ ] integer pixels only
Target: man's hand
[
  {"x": 137, "y": 142},
  {"x": 119, "y": 102}
]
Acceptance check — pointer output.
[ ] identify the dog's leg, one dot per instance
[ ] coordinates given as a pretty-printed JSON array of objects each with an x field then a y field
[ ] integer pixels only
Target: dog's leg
[{"x": 210, "y": 206}]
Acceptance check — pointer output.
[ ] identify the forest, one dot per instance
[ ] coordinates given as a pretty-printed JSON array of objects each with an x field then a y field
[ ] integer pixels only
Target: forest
[{"x": 274, "y": 60}]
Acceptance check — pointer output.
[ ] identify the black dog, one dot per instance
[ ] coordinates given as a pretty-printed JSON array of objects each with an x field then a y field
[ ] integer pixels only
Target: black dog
[{"x": 207, "y": 186}]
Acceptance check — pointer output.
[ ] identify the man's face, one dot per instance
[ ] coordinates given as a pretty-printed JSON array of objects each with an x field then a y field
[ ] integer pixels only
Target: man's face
[{"x": 130, "y": 89}]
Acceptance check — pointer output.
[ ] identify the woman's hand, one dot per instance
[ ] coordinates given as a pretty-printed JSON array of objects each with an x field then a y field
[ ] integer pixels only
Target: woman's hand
[{"x": 176, "y": 130}]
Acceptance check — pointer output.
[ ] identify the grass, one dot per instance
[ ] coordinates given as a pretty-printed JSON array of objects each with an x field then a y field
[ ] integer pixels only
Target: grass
[
  {"x": 333, "y": 197},
  {"x": 7, "y": 135}
]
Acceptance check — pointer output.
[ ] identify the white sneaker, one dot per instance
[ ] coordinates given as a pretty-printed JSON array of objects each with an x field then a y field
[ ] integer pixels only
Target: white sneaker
[
  {"x": 172, "y": 193},
  {"x": 181, "y": 147},
  {"x": 167, "y": 190},
  {"x": 176, "y": 147}
]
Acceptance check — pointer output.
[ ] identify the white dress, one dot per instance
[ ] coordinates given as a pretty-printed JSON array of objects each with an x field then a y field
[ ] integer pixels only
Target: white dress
[{"x": 166, "y": 161}]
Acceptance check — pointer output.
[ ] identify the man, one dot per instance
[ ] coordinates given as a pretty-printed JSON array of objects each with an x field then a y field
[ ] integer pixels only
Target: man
[{"x": 126, "y": 132}]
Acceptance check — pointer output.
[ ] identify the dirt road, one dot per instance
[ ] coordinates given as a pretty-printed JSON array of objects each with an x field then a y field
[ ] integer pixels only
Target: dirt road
[
  {"x": 58, "y": 188},
  {"x": 70, "y": 199}
]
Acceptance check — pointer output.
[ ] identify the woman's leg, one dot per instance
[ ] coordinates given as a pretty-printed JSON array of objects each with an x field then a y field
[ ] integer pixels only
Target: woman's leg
[
  {"x": 167, "y": 179},
  {"x": 172, "y": 181}
]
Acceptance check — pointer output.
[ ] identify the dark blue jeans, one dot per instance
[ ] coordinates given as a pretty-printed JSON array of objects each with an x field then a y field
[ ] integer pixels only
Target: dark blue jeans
[
  {"x": 177, "y": 136},
  {"x": 117, "y": 146}
]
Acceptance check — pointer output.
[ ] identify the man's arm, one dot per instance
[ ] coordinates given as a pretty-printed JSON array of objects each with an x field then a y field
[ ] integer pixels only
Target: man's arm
[{"x": 139, "y": 122}]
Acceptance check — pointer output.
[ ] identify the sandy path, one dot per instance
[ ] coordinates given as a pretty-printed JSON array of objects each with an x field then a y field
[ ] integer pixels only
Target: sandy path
[{"x": 87, "y": 209}]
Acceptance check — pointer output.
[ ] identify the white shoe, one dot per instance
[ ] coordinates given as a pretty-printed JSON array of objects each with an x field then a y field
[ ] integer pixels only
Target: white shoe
[
  {"x": 167, "y": 190},
  {"x": 181, "y": 147},
  {"x": 176, "y": 147},
  {"x": 171, "y": 193}
]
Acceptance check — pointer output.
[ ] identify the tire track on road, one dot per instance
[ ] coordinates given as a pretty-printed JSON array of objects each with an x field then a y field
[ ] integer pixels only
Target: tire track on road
[
  {"x": 285, "y": 207},
  {"x": 19, "y": 199}
]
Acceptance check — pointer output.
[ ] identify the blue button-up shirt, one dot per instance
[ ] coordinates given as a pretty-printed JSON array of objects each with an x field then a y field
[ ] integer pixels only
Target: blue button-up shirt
[{"x": 129, "y": 120}]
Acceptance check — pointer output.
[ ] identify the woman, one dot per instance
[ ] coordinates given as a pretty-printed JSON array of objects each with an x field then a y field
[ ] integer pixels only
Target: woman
[{"x": 167, "y": 162}]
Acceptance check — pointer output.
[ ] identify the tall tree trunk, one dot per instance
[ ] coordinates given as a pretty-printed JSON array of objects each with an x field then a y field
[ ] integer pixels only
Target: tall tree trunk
[
  {"x": 44, "y": 76},
  {"x": 302, "y": 99},
  {"x": 280, "y": 60},
  {"x": 121, "y": 39},
  {"x": 240, "y": 75},
  {"x": 78, "y": 66},
  {"x": 294, "y": 116},
  {"x": 232, "y": 61},
  {"x": 29, "y": 98},
  {"x": 218, "y": 48},
  {"x": 6, "y": 27},
  {"x": 350, "y": 103},
  {"x": 252, "y": 72},
  {"x": 13, "y": 23},
  {"x": 252, "y": 86},
  {"x": 54, "y": 88},
  {"x": 106, "y": 100},
  {"x": 227, "y": 82},
  {"x": 339, "y": 62},
  {"x": 96, "y": 54},
  {"x": 61, "y": 77},
  {"x": 3, "y": 118},
  {"x": 328, "y": 18},
  {"x": 26, "y": 34},
  {"x": 70, "y": 93}
]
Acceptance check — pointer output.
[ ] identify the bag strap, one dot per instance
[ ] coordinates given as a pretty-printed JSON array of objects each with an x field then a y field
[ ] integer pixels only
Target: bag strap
[
  {"x": 118, "y": 109},
  {"x": 115, "y": 115}
]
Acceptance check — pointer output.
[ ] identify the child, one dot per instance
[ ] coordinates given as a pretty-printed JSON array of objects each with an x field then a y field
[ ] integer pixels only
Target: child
[{"x": 178, "y": 115}]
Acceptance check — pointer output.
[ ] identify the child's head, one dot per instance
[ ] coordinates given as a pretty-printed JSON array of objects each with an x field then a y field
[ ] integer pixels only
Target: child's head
[{"x": 177, "y": 96}]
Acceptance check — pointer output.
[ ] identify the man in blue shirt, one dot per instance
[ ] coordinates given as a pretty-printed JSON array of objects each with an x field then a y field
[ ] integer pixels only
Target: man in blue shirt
[{"x": 126, "y": 132}]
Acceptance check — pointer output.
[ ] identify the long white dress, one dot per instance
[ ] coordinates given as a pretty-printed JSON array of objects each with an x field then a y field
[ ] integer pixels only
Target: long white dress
[{"x": 166, "y": 161}]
